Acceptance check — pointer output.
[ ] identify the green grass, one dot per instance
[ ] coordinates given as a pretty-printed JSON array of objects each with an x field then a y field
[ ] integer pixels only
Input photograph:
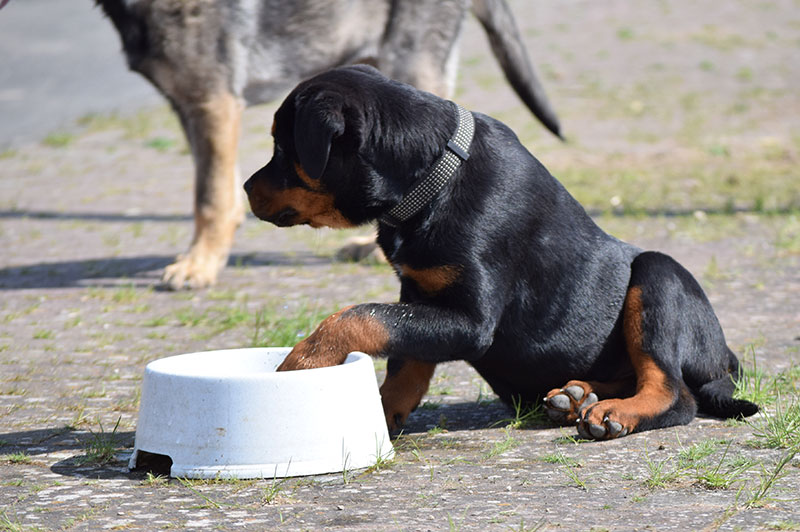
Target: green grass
[
  {"x": 709, "y": 174},
  {"x": 160, "y": 144},
  {"x": 102, "y": 446},
  {"x": 58, "y": 139},
  {"x": 723, "y": 475},
  {"x": 778, "y": 430},
  {"x": 572, "y": 473},
  {"x": 625, "y": 34},
  {"x": 762, "y": 492},
  {"x": 782, "y": 525},
  {"x": 209, "y": 502},
  {"x": 280, "y": 327},
  {"x": 9, "y": 525},
  {"x": 43, "y": 334},
  {"x": 560, "y": 459},
  {"x": 155, "y": 480},
  {"x": 17, "y": 458},
  {"x": 126, "y": 294},
  {"x": 502, "y": 446},
  {"x": 759, "y": 387},
  {"x": 522, "y": 527},
  {"x": 272, "y": 491},
  {"x": 137, "y": 126},
  {"x": 525, "y": 415},
  {"x": 688, "y": 456},
  {"x": 660, "y": 472}
]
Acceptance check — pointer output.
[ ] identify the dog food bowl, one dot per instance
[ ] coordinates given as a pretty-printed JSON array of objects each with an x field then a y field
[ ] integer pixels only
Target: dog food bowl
[{"x": 229, "y": 414}]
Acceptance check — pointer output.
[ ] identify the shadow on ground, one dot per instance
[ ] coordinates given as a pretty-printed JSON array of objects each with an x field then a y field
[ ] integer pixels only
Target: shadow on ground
[{"x": 137, "y": 271}]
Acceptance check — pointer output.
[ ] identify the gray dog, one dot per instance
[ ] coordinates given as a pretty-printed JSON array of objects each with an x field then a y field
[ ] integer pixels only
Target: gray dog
[{"x": 212, "y": 58}]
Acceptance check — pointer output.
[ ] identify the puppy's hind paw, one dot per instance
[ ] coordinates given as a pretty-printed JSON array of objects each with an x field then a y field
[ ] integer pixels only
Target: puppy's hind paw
[{"x": 565, "y": 405}]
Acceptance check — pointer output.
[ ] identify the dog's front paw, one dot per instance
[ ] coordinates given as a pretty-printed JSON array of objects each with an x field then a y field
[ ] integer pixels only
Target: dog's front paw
[
  {"x": 306, "y": 355},
  {"x": 565, "y": 405},
  {"x": 397, "y": 412},
  {"x": 403, "y": 389},
  {"x": 194, "y": 270}
]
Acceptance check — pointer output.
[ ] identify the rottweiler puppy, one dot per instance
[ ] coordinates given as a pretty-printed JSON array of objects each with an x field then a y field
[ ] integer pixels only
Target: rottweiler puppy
[{"x": 499, "y": 266}]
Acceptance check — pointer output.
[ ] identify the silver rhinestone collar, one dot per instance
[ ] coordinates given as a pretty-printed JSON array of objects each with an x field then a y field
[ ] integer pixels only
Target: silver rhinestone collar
[{"x": 442, "y": 170}]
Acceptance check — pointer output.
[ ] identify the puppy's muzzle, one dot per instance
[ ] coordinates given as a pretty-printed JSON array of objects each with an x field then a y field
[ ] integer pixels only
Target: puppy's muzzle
[{"x": 283, "y": 218}]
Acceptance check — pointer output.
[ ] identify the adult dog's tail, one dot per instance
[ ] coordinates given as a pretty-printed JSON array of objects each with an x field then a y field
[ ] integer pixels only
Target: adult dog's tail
[
  {"x": 716, "y": 397},
  {"x": 498, "y": 21}
]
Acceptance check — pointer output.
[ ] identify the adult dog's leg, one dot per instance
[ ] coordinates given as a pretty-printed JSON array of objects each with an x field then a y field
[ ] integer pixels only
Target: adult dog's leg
[{"x": 212, "y": 129}]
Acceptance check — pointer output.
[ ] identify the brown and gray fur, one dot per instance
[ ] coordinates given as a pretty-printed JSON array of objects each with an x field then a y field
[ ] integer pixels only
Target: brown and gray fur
[{"x": 211, "y": 59}]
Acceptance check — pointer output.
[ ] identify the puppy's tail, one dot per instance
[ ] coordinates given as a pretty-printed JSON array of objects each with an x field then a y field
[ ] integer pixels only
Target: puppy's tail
[
  {"x": 508, "y": 48},
  {"x": 716, "y": 397}
]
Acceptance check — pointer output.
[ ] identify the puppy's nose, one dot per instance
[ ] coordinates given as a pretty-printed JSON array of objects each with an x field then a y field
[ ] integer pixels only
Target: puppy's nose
[{"x": 248, "y": 186}]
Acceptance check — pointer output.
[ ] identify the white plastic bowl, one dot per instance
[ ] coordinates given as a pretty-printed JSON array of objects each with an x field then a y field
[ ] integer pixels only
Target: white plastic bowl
[{"x": 229, "y": 414}]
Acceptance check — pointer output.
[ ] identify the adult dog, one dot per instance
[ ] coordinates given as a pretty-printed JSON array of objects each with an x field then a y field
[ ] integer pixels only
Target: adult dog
[
  {"x": 211, "y": 58},
  {"x": 498, "y": 265}
]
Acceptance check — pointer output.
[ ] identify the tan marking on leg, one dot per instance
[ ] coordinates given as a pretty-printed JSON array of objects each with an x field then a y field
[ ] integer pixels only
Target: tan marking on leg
[
  {"x": 431, "y": 280},
  {"x": 337, "y": 336},
  {"x": 402, "y": 391},
  {"x": 654, "y": 394},
  {"x": 212, "y": 128}
]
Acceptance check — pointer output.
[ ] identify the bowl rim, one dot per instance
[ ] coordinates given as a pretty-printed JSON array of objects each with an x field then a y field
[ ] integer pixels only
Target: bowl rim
[{"x": 155, "y": 367}]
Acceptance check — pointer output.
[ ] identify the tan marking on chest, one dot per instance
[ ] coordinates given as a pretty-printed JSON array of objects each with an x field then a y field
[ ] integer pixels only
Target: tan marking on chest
[{"x": 431, "y": 280}]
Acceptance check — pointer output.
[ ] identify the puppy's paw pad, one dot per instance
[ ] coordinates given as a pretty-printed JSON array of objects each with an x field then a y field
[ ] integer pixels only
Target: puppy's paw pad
[
  {"x": 575, "y": 391},
  {"x": 566, "y": 404},
  {"x": 559, "y": 402},
  {"x": 605, "y": 430}
]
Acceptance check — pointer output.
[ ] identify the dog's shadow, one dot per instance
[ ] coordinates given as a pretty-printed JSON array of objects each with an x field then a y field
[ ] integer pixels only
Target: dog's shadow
[
  {"x": 462, "y": 416},
  {"x": 138, "y": 271},
  {"x": 97, "y": 455},
  {"x": 142, "y": 270},
  {"x": 104, "y": 455}
]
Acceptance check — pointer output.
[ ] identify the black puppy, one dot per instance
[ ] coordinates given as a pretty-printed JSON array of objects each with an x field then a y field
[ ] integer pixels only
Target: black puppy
[{"x": 498, "y": 264}]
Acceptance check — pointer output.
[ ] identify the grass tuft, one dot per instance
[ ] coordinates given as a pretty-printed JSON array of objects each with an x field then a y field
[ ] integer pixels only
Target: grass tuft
[{"x": 102, "y": 447}]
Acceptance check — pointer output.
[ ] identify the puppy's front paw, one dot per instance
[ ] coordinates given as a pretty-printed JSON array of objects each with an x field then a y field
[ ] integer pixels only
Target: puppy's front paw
[
  {"x": 397, "y": 412},
  {"x": 305, "y": 355}
]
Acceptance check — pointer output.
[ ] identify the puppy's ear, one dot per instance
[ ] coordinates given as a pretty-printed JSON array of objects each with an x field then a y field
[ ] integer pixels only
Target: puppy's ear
[{"x": 318, "y": 120}]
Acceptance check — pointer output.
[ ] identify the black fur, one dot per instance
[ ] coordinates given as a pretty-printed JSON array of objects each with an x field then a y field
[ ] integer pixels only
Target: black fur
[{"x": 540, "y": 289}]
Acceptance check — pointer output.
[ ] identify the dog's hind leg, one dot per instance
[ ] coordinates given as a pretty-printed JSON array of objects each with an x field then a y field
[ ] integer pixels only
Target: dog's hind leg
[
  {"x": 212, "y": 129},
  {"x": 667, "y": 324}
]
